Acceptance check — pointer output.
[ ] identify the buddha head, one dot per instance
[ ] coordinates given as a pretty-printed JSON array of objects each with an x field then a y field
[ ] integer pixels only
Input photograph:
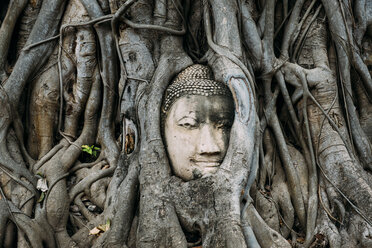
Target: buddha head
[{"x": 198, "y": 113}]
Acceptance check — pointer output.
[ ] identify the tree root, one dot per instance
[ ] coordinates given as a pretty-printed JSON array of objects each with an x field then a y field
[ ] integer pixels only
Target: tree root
[
  {"x": 88, "y": 181},
  {"x": 108, "y": 72},
  {"x": 122, "y": 207},
  {"x": 31, "y": 61},
  {"x": 14, "y": 10},
  {"x": 266, "y": 236}
]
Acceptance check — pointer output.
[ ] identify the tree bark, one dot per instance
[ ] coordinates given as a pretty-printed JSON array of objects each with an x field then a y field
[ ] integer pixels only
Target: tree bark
[{"x": 83, "y": 162}]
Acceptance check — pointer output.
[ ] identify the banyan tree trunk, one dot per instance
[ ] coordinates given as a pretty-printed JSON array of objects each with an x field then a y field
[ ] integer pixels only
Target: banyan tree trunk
[{"x": 83, "y": 162}]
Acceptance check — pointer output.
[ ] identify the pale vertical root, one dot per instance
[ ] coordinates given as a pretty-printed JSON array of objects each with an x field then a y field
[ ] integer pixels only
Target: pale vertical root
[
  {"x": 19, "y": 133},
  {"x": 6, "y": 30},
  {"x": 31, "y": 61},
  {"x": 333, "y": 155},
  {"x": 56, "y": 207},
  {"x": 109, "y": 74},
  {"x": 308, "y": 21},
  {"x": 44, "y": 102},
  {"x": 281, "y": 196},
  {"x": 267, "y": 210},
  {"x": 135, "y": 48},
  {"x": 343, "y": 171},
  {"x": 140, "y": 69},
  {"x": 278, "y": 195},
  {"x": 308, "y": 169},
  {"x": 283, "y": 199},
  {"x": 43, "y": 105},
  {"x": 45, "y": 92},
  {"x": 290, "y": 28},
  {"x": 88, "y": 133},
  {"x": 308, "y": 148},
  {"x": 266, "y": 236},
  {"x": 139, "y": 66},
  {"x": 312, "y": 169},
  {"x": 299, "y": 163},
  {"x": 160, "y": 12},
  {"x": 251, "y": 35},
  {"x": 266, "y": 161},
  {"x": 26, "y": 22},
  {"x": 290, "y": 171},
  {"x": 342, "y": 40},
  {"x": 268, "y": 34},
  {"x": 77, "y": 94},
  {"x": 280, "y": 78},
  {"x": 226, "y": 31},
  {"x": 313, "y": 77},
  {"x": 326, "y": 220},
  {"x": 231, "y": 53}
]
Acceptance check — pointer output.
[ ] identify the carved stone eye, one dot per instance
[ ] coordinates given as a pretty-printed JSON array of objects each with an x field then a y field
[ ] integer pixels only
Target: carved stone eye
[{"x": 188, "y": 123}]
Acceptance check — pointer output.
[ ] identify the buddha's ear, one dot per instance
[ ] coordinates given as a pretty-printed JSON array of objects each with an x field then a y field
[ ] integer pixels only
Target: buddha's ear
[{"x": 241, "y": 88}]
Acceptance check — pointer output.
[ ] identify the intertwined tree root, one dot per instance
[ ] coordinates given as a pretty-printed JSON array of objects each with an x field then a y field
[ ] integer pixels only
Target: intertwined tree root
[{"x": 93, "y": 74}]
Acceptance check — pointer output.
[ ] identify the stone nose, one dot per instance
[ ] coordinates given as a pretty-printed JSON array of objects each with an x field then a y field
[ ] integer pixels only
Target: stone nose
[{"x": 208, "y": 144}]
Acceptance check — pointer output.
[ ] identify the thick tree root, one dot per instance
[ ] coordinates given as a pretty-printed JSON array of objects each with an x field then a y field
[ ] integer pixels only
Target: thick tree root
[{"x": 304, "y": 133}]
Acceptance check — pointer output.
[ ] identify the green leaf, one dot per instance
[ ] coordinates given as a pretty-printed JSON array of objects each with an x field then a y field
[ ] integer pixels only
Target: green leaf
[
  {"x": 90, "y": 149},
  {"x": 85, "y": 147}
]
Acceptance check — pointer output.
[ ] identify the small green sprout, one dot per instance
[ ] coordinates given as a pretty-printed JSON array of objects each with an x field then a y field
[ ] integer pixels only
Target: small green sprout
[{"x": 92, "y": 150}]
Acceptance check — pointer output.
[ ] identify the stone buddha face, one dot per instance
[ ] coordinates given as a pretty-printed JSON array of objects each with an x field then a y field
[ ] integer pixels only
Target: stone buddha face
[{"x": 199, "y": 116}]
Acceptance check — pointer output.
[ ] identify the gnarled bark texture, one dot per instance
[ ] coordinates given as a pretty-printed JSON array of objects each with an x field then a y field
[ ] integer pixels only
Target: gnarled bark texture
[{"x": 82, "y": 157}]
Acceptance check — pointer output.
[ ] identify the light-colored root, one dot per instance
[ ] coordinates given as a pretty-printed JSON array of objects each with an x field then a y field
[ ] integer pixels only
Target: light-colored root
[
  {"x": 267, "y": 210},
  {"x": 266, "y": 236}
]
